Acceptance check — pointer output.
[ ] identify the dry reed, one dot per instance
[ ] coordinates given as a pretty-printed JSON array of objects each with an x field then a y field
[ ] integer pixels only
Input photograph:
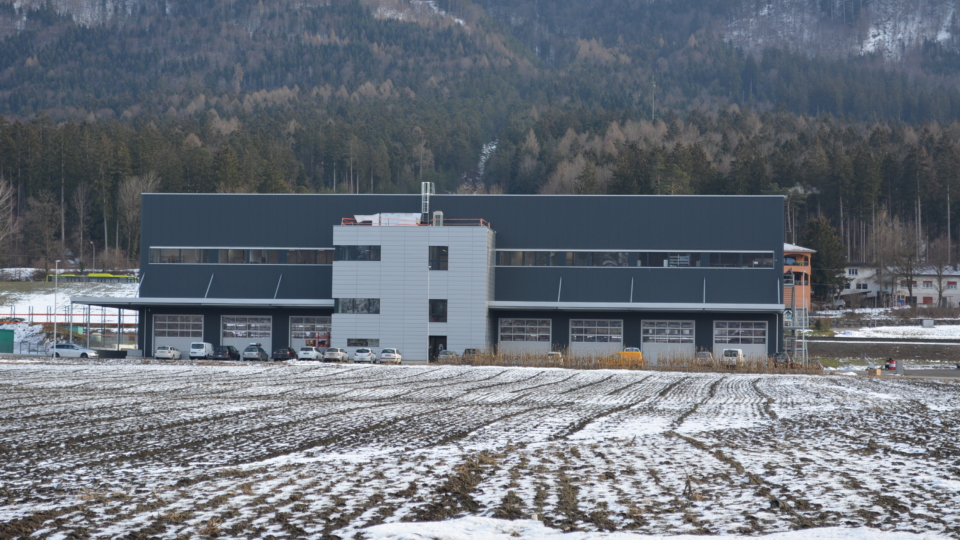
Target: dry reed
[{"x": 664, "y": 362}]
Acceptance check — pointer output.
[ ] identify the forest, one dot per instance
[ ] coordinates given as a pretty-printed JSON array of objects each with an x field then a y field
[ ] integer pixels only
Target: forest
[{"x": 651, "y": 98}]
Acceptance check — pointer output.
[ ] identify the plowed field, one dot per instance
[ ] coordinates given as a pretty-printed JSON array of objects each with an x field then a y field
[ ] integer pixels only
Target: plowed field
[{"x": 286, "y": 451}]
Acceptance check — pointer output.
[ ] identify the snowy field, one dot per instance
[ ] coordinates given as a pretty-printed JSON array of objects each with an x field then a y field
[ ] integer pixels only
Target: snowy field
[
  {"x": 904, "y": 332},
  {"x": 171, "y": 451}
]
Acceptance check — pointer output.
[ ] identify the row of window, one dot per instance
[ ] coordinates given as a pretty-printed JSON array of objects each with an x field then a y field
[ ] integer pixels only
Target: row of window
[
  {"x": 241, "y": 256},
  {"x": 178, "y": 326},
  {"x": 611, "y": 331},
  {"x": 247, "y": 327},
  {"x": 926, "y": 284},
  {"x": 650, "y": 259}
]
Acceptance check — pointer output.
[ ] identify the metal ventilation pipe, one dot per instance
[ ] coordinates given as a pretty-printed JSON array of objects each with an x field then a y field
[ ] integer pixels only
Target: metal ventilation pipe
[
  {"x": 438, "y": 219},
  {"x": 426, "y": 189}
]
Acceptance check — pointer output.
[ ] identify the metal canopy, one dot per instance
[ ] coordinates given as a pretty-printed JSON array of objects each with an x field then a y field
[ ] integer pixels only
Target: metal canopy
[{"x": 133, "y": 303}]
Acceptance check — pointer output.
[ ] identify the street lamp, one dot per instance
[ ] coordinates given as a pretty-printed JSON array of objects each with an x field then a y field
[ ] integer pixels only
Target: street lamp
[
  {"x": 56, "y": 290},
  {"x": 94, "y": 265}
]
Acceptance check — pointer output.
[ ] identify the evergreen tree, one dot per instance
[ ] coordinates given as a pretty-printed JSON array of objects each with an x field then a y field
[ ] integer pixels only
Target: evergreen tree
[{"x": 828, "y": 264}]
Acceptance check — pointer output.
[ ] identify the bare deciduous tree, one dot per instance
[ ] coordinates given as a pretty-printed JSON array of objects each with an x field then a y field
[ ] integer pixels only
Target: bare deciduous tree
[
  {"x": 938, "y": 259},
  {"x": 42, "y": 219},
  {"x": 902, "y": 253},
  {"x": 130, "y": 204}
]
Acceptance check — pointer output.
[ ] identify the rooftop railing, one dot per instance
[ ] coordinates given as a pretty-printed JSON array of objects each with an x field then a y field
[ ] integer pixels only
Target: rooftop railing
[{"x": 400, "y": 222}]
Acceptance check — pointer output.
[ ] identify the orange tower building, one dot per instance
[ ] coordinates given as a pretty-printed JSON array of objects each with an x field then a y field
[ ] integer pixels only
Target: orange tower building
[{"x": 796, "y": 298}]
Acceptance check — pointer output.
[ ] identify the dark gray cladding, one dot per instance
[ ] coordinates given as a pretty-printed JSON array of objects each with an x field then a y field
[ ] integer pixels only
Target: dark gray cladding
[{"x": 521, "y": 222}]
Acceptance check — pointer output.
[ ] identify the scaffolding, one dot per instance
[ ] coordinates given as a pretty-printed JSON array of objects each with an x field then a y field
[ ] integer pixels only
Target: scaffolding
[{"x": 796, "y": 319}]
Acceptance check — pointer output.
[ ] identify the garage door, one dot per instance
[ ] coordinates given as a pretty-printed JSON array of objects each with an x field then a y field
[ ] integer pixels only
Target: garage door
[
  {"x": 595, "y": 337},
  {"x": 525, "y": 336},
  {"x": 240, "y": 331},
  {"x": 751, "y": 336},
  {"x": 667, "y": 339},
  {"x": 177, "y": 330},
  {"x": 309, "y": 331}
]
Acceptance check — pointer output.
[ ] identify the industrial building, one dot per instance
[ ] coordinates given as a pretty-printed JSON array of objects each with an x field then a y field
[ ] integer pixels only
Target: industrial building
[{"x": 421, "y": 273}]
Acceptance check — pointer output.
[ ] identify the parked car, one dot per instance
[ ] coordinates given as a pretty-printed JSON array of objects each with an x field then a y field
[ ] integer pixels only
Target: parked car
[
  {"x": 470, "y": 354},
  {"x": 630, "y": 358},
  {"x": 364, "y": 355},
  {"x": 335, "y": 354},
  {"x": 225, "y": 352},
  {"x": 169, "y": 352},
  {"x": 448, "y": 356},
  {"x": 705, "y": 358},
  {"x": 69, "y": 350},
  {"x": 390, "y": 356},
  {"x": 815, "y": 364},
  {"x": 733, "y": 358},
  {"x": 284, "y": 353},
  {"x": 201, "y": 349},
  {"x": 255, "y": 351},
  {"x": 891, "y": 364},
  {"x": 782, "y": 360},
  {"x": 555, "y": 357},
  {"x": 309, "y": 353}
]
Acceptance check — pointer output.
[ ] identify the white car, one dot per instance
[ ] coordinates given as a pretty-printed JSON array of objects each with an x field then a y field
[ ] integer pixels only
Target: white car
[
  {"x": 309, "y": 353},
  {"x": 169, "y": 352},
  {"x": 390, "y": 356},
  {"x": 364, "y": 355},
  {"x": 69, "y": 350}
]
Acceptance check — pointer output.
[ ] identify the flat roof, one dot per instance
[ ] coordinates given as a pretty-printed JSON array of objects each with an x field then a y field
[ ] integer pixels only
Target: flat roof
[{"x": 107, "y": 301}]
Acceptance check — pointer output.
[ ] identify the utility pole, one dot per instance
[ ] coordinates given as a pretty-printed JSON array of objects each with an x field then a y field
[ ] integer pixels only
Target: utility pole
[{"x": 653, "y": 107}]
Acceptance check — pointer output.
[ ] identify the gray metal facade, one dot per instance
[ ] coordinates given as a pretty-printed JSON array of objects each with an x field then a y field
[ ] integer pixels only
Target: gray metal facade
[{"x": 613, "y": 223}]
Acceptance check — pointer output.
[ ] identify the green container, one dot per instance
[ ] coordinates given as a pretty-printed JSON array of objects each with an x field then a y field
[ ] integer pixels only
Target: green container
[{"x": 6, "y": 341}]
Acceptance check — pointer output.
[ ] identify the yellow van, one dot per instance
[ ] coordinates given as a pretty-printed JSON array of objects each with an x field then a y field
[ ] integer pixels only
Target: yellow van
[{"x": 628, "y": 358}]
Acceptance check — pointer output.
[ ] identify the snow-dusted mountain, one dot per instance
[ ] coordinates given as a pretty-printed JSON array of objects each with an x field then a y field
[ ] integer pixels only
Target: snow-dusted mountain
[{"x": 844, "y": 27}]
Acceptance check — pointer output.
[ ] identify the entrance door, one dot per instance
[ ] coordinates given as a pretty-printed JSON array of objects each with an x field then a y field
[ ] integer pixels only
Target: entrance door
[{"x": 437, "y": 344}]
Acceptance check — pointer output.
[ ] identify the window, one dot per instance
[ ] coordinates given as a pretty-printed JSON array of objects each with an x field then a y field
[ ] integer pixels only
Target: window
[
  {"x": 863, "y": 286},
  {"x": 240, "y": 256},
  {"x": 951, "y": 284},
  {"x": 439, "y": 257},
  {"x": 596, "y": 331},
  {"x": 846, "y": 285},
  {"x": 740, "y": 332},
  {"x": 178, "y": 326},
  {"x": 525, "y": 330},
  {"x": 667, "y": 331},
  {"x": 628, "y": 258},
  {"x": 852, "y": 271},
  {"x": 369, "y": 306},
  {"x": 358, "y": 253},
  {"x": 927, "y": 284},
  {"x": 246, "y": 327},
  {"x": 362, "y": 342},
  {"x": 438, "y": 311}
]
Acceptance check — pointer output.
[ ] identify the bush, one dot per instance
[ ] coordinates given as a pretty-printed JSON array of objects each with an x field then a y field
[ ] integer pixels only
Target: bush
[{"x": 823, "y": 324}]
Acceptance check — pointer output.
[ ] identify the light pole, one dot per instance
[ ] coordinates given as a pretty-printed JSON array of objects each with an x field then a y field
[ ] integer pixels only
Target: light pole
[
  {"x": 92, "y": 266},
  {"x": 56, "y": 290}
]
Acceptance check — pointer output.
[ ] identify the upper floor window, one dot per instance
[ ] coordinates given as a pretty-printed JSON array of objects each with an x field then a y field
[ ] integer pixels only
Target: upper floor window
[
  {"x": 357, "y": 305},
  {"x": 669, "y": 259},
  {"x": 438, "y": 311},
  {"x": 951, "y": 284},
  {"x": 862, "y": 286},
  {"x": 853, "y": 271},
  {"x": 240, "y": 256},
  {"x": 358, "y": 253},
  {"x": 927, "y": 284},
  {"x": 439, "y": 257}
]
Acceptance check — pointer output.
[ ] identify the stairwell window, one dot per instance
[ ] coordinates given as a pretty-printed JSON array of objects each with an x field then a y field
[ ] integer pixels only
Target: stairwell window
[
  {"x": 438, "y": 311},
  {"x": 439, "y": 257}
]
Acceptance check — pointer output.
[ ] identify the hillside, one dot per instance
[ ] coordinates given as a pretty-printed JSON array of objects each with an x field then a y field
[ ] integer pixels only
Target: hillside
[{"x": 849, "y": 105}]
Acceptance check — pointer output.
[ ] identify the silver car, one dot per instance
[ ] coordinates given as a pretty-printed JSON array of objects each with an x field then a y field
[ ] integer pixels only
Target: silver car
[
  {"x": 69, "y": 350},
  {"x": 391, "y": 356},
  {"x": 335, "y": 354},
  {"x": 309, "y": 353}
]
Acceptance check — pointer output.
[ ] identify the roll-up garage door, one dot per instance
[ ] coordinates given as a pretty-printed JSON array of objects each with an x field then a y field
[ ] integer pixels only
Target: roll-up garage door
[
  {"x": 750, "y": 336},
  {"x": 525, "y": 336},
  {"x": 595, "y": 337},
  {"x": 241, "y": 331},
  {"x": 178, "y": 331},
  {"x": 661, "y": 339},
  {"x": 310, "y": 332}
]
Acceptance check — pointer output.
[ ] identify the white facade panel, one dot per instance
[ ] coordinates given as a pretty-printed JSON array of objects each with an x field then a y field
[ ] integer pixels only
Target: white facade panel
[{"x": 404, "y": 284}]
